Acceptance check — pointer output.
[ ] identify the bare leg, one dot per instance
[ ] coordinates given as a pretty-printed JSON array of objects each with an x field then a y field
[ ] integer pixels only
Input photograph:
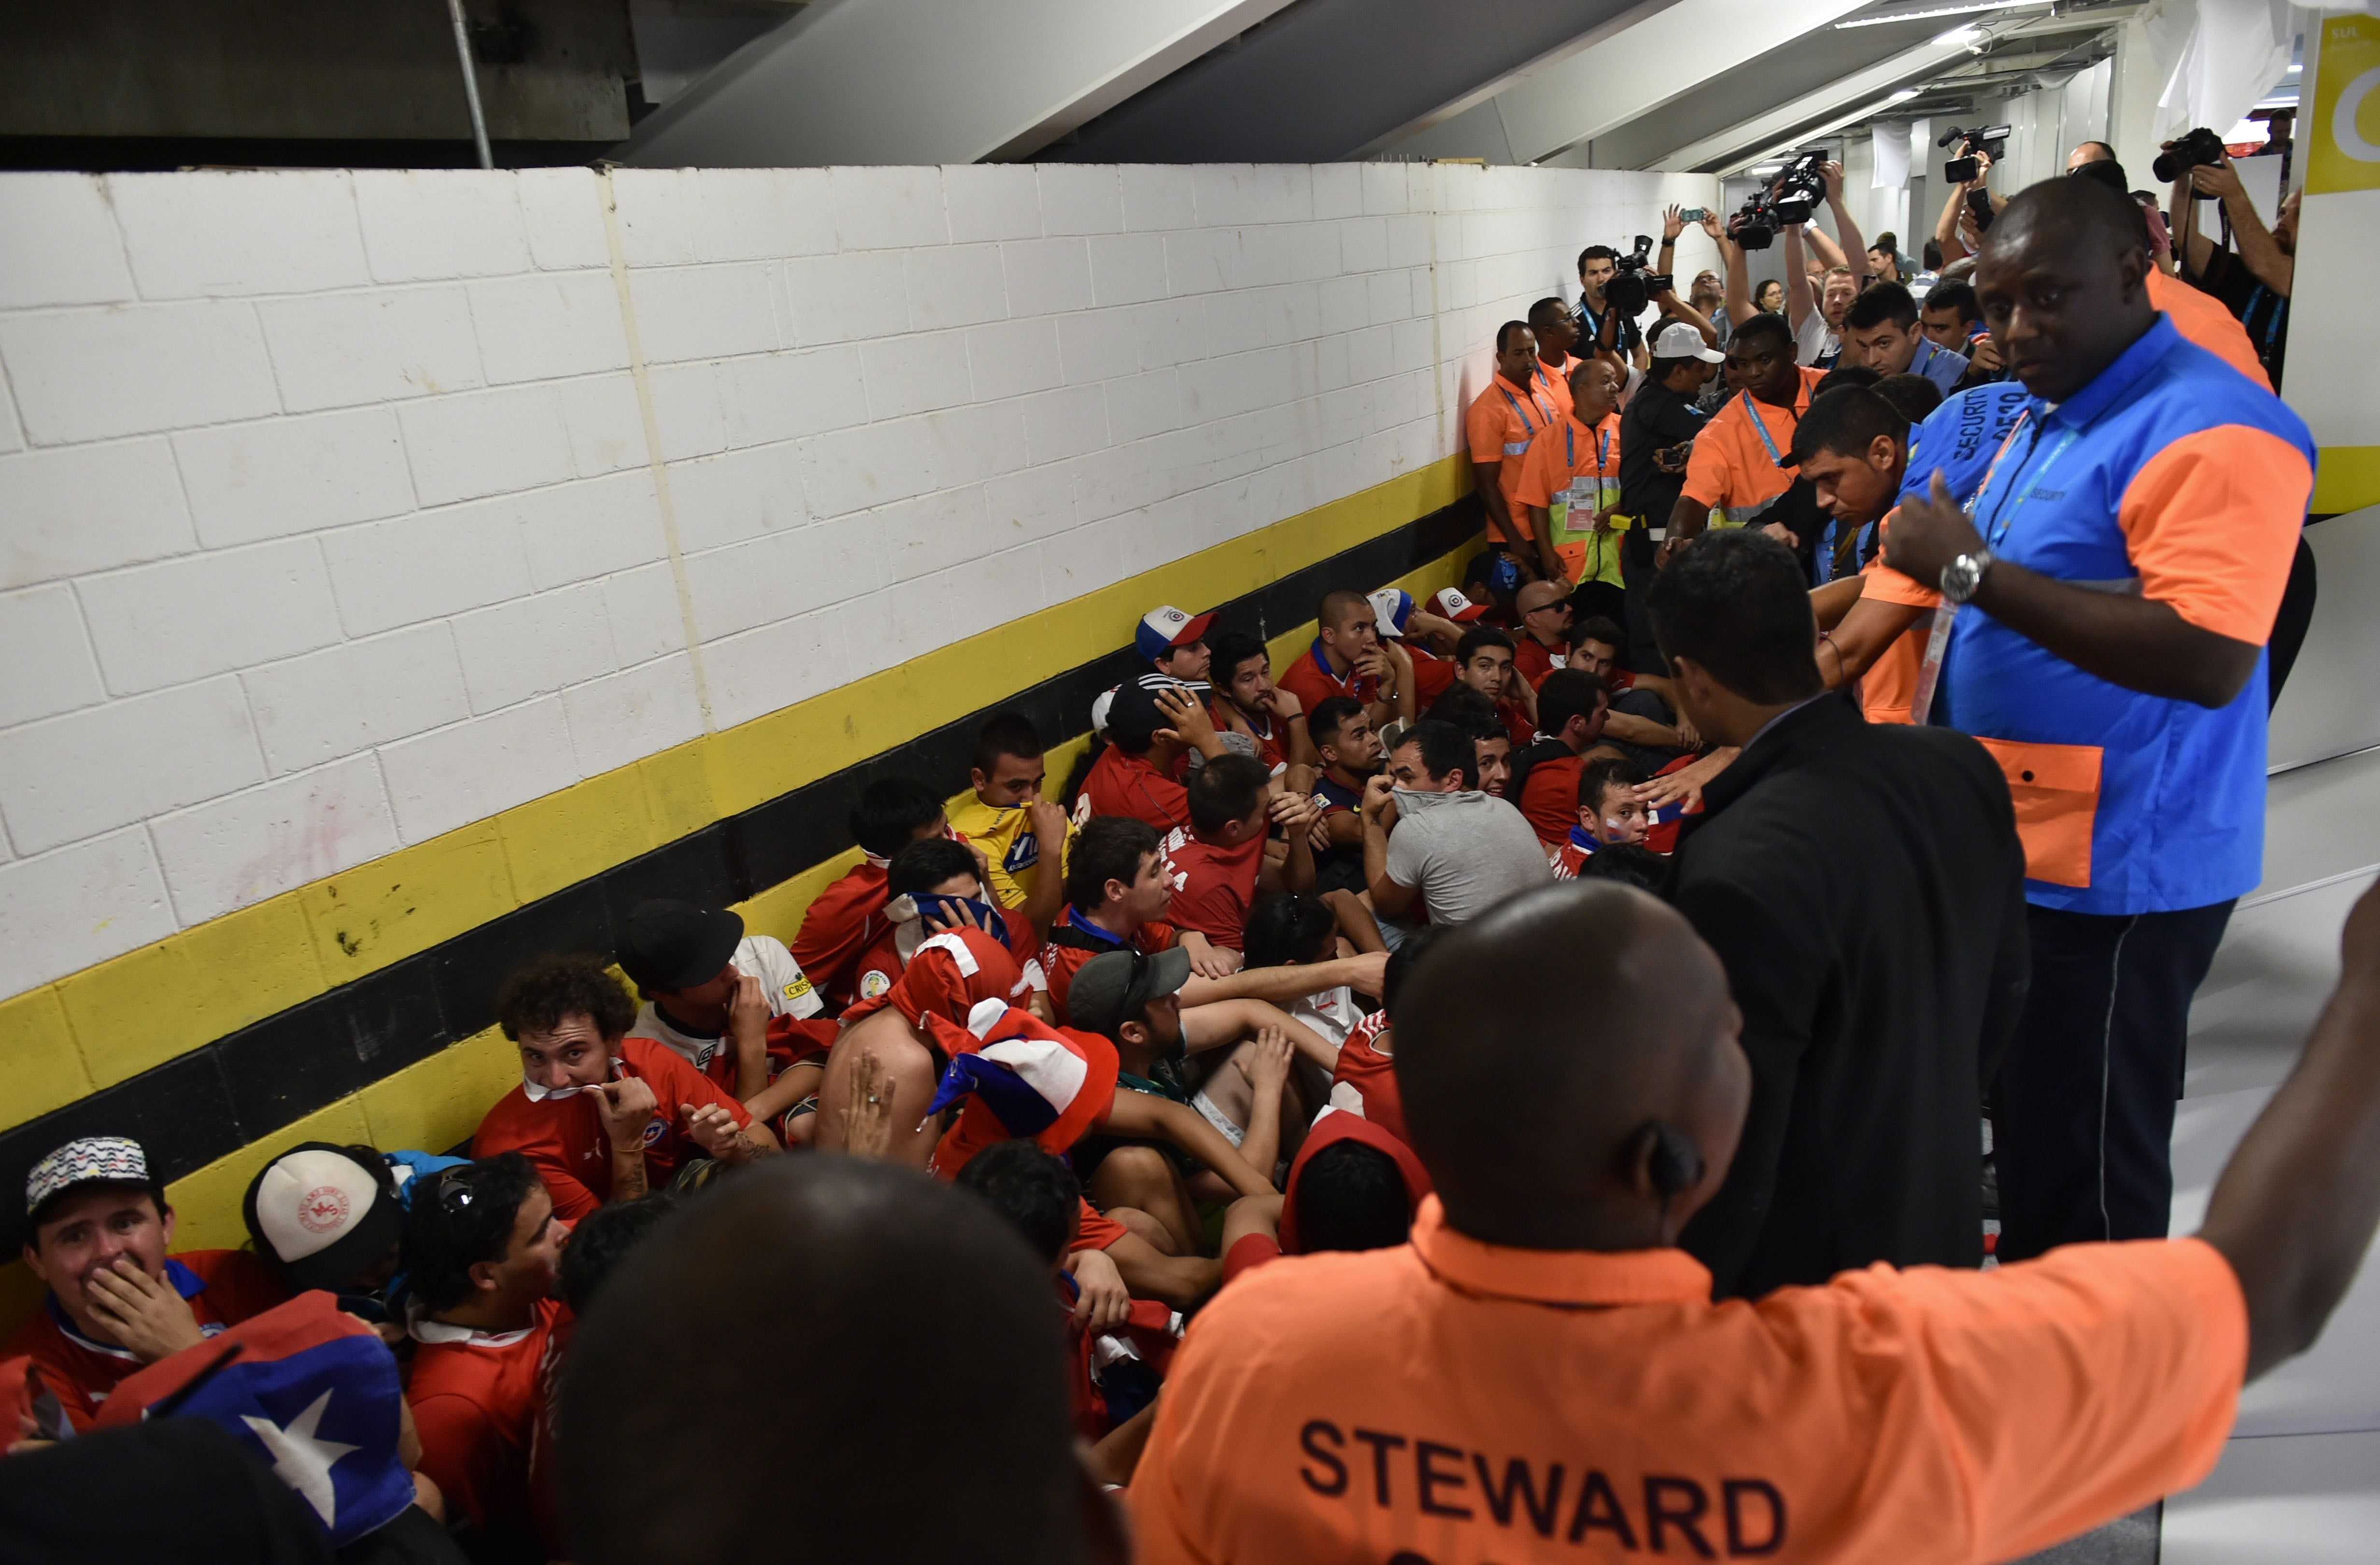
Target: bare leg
[{"x": 1145, "y": 1178}]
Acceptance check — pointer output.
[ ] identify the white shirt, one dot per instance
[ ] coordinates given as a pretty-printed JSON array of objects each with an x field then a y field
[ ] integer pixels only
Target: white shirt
[
  {"x": 1813, "y": 339},
  {"x": 781, "y": 979}
]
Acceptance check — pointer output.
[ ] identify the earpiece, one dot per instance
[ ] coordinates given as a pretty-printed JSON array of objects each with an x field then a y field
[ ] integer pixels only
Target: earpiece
[{"x": 1677, "y": 1163}]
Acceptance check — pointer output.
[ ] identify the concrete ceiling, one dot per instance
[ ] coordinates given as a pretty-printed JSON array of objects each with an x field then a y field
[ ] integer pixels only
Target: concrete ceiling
[{"x": 1583, "y": 83}]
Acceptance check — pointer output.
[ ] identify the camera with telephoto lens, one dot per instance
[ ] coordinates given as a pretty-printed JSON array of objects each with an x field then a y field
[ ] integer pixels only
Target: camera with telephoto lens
[
  {"x": 1632, "y": 287},
  {"x": 1790, "y": 197},
  {"x": 2200, "y": 148}
]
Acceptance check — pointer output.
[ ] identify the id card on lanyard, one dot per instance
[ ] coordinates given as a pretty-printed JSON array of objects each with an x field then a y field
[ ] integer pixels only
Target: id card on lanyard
[
  {"x": 1995, "y": 532},
  {"x": 1588, "y": 493}
]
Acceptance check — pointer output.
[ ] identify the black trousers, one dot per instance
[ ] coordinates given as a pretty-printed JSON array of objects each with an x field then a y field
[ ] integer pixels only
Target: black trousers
[
  {"x": 2289, "y": 624},
  {"x": 2082, "y": 1118},
  {"x": 1644, "y": 654}
]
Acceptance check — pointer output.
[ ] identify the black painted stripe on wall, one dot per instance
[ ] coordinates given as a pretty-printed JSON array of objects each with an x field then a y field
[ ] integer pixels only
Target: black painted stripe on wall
[{"x": 219, "y": 1097}]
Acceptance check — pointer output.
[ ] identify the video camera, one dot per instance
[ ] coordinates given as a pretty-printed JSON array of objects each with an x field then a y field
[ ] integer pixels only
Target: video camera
[
  {"x": 1989, "y": 139},
  {"x": 1632, "y": 287},
  {"x": 2200, "y": 148},
  {"x": 1790, "y": 197}
]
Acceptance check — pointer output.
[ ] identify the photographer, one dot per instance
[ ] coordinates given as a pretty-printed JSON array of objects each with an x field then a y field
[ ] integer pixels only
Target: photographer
[
  {"x": 1607, "y": 331},
  {"x": 1657, "y": 434},
  {"x": 1957, "y": 233},
  {"x": 2254, "y": 283},
  {"x": 1817, "y": 323}
]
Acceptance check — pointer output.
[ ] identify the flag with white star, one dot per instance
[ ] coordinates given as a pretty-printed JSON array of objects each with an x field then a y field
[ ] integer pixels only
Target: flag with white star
[{"x": 314, "y": 1393}]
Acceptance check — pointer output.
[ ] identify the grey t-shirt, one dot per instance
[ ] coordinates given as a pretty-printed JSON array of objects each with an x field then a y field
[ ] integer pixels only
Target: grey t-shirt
[{"x": 1464, "y": 851}]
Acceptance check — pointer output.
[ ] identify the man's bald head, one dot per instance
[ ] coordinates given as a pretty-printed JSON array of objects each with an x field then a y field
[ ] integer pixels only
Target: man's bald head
[
  {"x": 2062, "y": 281},
  {"x": 1534, "y": 1101},
  {"x": 907, "y": 1431},
  {"x": 1539, "y": 594}
]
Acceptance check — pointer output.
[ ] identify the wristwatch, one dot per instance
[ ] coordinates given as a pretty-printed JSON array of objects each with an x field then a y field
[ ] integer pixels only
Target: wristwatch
[{"x": 1963, "y": 574}]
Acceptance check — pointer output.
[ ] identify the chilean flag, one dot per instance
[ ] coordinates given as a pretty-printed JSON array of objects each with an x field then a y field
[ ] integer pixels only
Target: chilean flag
[
  {"x": 314, "y": 1393},
  {"x": 1018, "y": 1077}
]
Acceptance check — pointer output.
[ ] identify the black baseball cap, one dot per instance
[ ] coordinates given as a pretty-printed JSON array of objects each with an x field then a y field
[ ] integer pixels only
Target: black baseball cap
[
  {"x": 1116, "y": 986},
  {"x": 1135, "y": 715},
  {"x": 675, "y": 945}
]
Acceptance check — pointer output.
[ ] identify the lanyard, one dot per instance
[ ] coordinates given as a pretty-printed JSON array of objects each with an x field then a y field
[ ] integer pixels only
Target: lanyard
[
  {"x": 1526, "y": 427},
  {"x": 1570, "y": 447},
  {"x": 1995, "y": 532},
  {"x": 1775, "y": 457},
  {"x": 2272, "y": 324}
]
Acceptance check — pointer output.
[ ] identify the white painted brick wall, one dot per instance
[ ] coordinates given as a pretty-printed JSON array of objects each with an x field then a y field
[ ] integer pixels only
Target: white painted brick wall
[{"x": 327, "y": 521}]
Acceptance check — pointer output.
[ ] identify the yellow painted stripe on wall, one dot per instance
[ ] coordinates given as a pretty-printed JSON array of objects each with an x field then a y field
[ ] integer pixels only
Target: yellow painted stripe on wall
[
  {"x": 258, "y": 961},
  {"x": 2346, "y": 477},
  {"x": 438, "y": 1102}
]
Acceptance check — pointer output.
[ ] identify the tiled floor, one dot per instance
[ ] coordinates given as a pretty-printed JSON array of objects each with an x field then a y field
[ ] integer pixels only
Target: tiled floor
[{"x": 2299, "y": 1482}]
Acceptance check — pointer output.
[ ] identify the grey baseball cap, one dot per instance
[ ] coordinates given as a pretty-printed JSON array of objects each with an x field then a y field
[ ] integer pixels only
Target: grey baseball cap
[{"x": 1114, "y": 987}]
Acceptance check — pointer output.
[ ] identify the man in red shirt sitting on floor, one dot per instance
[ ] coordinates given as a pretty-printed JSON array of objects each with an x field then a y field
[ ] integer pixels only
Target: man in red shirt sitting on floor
[
  {"x": 601, "y": 1115},
  {"x": 1611, "y": 809},
  {"x": 1153, "y": 724},
  {"x": 1348, "y": 658},
  {"x": 1545, "y": 612},
  {"x": 483, "y": 1250},
  {"x": 99, "y": 1225},
  {"x": 1570, "y": 711},
  {"x": 736, "y": 1007},
  {"x": 938, "y": 885},
  {"x": 1218, "y": 862},
  {"x": 848, "y": 916},
  {"x": 1248, "y": 701}
]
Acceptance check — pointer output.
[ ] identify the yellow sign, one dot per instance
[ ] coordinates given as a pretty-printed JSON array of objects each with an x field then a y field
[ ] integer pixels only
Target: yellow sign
[{"x": 2343, "y": 131}]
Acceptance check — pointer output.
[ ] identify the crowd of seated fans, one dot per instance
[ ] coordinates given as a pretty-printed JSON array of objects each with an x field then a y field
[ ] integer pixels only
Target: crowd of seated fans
[
  {"x": 1148, "y": 1025},
  {"x": 1201, "y": 950}
]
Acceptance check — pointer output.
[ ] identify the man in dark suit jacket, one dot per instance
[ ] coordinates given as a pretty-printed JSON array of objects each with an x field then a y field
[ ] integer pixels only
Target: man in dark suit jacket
[{"x": 1865, "y": 887}]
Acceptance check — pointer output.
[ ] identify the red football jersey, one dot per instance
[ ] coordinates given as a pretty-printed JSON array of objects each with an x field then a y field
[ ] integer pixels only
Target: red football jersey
[
  {"x": 875, "y": 972},
  {"x": 1550, "y": 799},
  {"x": 564, "y": 1137},
  {"x": 1213, "y": 885},
  {"x": 844, "y": 920},
  {"x": 1372, "y": 1076},
  {"x": 1313, "y": 683},
  {"x": 1433, "y": 676},
  {"x": 224, "y": 1287},
  {"x": 1126, "y": 784},
  {"x": 1529, "y": 655},
  {"x": 1064, "y": 953},
  {"x": 476, "y": 1397}
]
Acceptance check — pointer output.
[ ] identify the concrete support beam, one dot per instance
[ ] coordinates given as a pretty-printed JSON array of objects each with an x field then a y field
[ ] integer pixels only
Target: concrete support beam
[
  {"x": 1656, "y": 60},
  {"x": 929, "y": 81},
  {"x": 1848, "y": 98}
]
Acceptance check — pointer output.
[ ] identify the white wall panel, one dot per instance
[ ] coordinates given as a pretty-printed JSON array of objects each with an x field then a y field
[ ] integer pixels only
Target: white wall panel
[{"x": 337, "y": 485}]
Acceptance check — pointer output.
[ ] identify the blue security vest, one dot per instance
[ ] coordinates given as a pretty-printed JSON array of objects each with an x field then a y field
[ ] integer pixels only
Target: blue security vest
[{"x": 2145, "y": 805}]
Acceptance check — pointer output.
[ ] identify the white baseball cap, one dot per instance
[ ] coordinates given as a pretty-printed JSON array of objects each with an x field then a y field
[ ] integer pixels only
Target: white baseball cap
[
  {"x": 321, "y": 1215},
  {"x": 1678, "y": 340}
]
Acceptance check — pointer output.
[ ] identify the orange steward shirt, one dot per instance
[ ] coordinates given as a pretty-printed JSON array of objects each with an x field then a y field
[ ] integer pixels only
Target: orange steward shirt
[
  {"x": 1503, "y": 420},
  {"x": 1889, "y": 685},
  {"x": 2203, "y": 319},
  {"x": 1732, "y": 468},
  {"x": 1571, "y": 1406}
]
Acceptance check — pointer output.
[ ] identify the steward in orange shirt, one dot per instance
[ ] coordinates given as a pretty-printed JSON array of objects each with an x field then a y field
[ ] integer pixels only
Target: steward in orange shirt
[
  {"x": 1502, "y": 421},
  {"x": 1738, "y": 465},
  {"x": 1570, "y": 481},
  {"x": 1540, "y": 1374}
]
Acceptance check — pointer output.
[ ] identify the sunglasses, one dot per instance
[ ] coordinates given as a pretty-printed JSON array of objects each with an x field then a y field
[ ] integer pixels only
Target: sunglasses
[{"x": 454, "y": 1189}]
